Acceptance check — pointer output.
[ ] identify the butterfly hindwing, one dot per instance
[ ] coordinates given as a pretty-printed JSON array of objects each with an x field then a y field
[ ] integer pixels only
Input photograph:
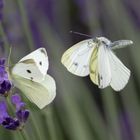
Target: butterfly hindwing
[
  {"x": 76, "y": 59},
  {"x": 41, "y": 93},
  {"x": 119, "y": 73}
]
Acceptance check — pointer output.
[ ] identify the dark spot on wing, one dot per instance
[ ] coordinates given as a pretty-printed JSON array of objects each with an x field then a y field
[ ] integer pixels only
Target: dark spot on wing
[
  {"x": 28, "y": 71},
  {"x": 32, "y": 78},
  {"x": 40, "y": 63},
  {"x": 75, "y": 63},
  {"x": 43, "y": 51},
  {"x": 101, "y": 78}
]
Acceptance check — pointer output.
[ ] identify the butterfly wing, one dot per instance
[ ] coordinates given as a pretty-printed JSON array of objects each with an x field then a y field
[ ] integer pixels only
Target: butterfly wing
[
  {"x": 119, "y": 73},
  {"x": 104, "y": 67},
  {"x": 94, "y": 66},
  {"x": 76, "y": 59},
  {"x": 34, "y": 66},
  {"x": 41, "y": 93},
  {"x": 41, "y": 59},
  {"x": 99, "y": 67}
]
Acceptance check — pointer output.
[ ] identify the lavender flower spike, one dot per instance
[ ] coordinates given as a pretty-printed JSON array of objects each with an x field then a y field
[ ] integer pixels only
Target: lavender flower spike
[
  {"x": 5, "y": 120},
  {"x": 5, "y": 84},
  {"x": 21, "y": 114}
]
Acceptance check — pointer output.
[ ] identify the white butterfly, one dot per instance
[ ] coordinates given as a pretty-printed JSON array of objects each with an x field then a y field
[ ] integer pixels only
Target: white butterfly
[
  {"x": 30, "y": 76},
  {"x": 94, "y": 57}
]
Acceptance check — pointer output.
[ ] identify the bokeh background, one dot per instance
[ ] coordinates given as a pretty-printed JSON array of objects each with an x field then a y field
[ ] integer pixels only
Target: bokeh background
[{"x": 80, "y": 110}]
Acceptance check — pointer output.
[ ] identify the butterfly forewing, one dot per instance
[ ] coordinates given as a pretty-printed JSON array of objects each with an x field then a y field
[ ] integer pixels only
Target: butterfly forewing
[
  {"x": 33, "y": 66},
  {"x": 40, "y": 58},
  {"x": 28, "y": 70},
  {"x": 76, "y": 59}
]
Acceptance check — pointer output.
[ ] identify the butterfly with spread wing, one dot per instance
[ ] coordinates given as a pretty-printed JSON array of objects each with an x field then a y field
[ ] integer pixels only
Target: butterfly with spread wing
[{"x": 95, "y": 57}]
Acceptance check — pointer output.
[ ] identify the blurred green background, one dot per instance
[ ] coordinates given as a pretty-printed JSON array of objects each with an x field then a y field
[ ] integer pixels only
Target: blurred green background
[{"x": 80, "y": 110}]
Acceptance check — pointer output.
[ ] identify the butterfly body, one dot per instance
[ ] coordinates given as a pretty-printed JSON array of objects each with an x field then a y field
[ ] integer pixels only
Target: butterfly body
[
  {"x": 94, "y": 57},
  {"x": 30, "y": 76}
]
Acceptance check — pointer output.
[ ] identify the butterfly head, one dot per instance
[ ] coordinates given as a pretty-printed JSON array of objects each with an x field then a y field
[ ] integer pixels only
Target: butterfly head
[{"x": 104, "y": 41}]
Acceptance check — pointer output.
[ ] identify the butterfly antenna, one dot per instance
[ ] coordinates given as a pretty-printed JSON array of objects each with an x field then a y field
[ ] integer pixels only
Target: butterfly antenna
[{"x": 73, "y": 32}]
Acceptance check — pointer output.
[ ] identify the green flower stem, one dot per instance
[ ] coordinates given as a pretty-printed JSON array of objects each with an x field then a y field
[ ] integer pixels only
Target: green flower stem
[
  {"x": 25, "y": 24},
  {"x": 24, "y": 134},
  {"x": 34, "y": 123},
  {"x": 6, "y": 45},
  {"x": 51, "y": 120},
  {"x": 10, "y": 107},
  {"x": 3, "y": 36}
]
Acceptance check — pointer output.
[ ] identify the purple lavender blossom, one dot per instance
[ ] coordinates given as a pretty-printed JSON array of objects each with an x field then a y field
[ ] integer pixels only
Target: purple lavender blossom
[
  {"x": 5, "y": 120},
  {"x": 16, "y": 100},
  {"x": 11, "y": 123},
  {"x": 3, "y": 111},
  {"x": 5, "y": 84},
  {"x": 21, "y": 114}
]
